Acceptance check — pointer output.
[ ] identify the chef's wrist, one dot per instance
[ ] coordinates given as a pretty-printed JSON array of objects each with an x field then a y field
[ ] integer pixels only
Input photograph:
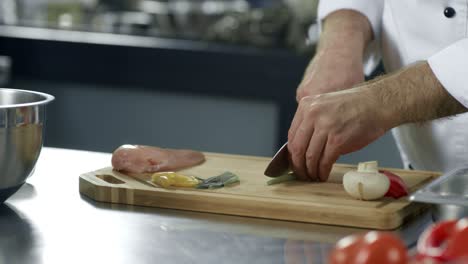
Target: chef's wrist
[
  {"x": 395, "y": 102},
  {"x": 376, "y": 94}
]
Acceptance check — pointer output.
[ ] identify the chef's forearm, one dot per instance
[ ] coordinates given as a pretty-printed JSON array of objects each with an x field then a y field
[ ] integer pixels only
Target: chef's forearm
[
  {"x": 345, "y": 35},
  {"x": 413, "y": 95},
  {"x": 345, "y": 31}
]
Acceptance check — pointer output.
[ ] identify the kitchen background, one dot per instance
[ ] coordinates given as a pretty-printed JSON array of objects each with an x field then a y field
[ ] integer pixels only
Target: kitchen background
[{"x": 211, "y": 75}]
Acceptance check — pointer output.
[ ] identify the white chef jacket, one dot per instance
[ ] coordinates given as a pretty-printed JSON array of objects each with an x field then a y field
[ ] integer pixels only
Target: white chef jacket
[{"x": 406, "y": 31}]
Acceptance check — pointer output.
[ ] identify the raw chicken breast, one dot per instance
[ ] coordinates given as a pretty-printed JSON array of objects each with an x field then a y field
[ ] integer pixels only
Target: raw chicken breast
[{"x": 141, "y": 159}]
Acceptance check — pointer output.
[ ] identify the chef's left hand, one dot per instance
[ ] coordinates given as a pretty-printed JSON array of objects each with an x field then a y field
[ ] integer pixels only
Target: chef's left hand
[
  {"x": 329, "y": 125},
  {"x": 332, "y": 124}
]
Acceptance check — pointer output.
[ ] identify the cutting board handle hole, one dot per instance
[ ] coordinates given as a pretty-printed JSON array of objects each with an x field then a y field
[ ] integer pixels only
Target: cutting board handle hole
[{"x": 110, "y": 179}]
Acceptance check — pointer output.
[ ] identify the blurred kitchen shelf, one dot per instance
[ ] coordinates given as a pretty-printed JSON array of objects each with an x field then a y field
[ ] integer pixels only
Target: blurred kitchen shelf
[
  {"x": 151, "y": 63},
  {"x": 136, "y": 60},
  {"x": 114, "y": 39}
]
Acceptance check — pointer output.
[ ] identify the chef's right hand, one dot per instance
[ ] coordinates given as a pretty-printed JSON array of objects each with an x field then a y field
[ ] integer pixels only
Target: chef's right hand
[{"x": 337, "y": 65}]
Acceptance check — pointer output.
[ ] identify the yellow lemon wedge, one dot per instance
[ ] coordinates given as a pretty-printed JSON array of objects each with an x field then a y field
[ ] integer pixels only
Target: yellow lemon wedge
[{"x": 168, "y": 179}]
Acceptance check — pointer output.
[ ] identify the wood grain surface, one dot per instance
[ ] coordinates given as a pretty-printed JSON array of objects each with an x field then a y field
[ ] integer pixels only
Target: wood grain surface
[{"x": 324, "y": 203}]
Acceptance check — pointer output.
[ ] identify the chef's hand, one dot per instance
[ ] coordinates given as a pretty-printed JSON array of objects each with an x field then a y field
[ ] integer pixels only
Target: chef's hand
[
  {"x": 329, "y": 125},
  {"x": 337, "y": 64}
]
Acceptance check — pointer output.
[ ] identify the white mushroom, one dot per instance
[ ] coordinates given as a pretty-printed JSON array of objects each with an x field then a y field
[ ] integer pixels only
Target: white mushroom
[{"x": 366, "y": 183}]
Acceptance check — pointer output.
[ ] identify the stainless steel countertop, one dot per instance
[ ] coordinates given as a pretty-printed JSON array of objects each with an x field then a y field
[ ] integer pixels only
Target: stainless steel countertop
[{"x": 48, "y": 221}]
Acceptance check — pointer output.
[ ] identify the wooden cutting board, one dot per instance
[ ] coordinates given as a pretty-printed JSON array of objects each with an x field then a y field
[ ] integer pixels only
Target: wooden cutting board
[{"x": 325, "y": 203}]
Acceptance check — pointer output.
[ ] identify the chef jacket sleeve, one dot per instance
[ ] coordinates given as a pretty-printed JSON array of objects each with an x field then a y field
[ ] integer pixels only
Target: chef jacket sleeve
[
  {"x": 373, "y": 10},
  {"x": 450, "y": 66}
]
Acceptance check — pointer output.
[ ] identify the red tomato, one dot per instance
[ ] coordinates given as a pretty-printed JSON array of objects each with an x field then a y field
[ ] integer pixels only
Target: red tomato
[
  {"x": 419, "y": 259},
  {"x": 373, "y": 247},
  {"x": 445, "y": 241}
]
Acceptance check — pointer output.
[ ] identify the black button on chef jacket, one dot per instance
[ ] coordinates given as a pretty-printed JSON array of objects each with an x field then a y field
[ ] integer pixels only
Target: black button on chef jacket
[{"x": 449, "y": 12}]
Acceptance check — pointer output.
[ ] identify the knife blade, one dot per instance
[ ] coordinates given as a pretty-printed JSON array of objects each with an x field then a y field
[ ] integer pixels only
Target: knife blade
[{"x": 279, "y": 165}]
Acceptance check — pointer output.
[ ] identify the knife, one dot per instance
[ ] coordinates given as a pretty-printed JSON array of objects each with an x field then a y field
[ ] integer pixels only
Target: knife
[{"x": 279, "y": 165}]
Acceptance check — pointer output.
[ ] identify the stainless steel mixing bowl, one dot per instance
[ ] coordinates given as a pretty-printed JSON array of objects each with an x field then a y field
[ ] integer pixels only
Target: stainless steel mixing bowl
[
  {"x": 448, "y": 193},
  {"x": 449, "y": 211},
  {"x": 22, "y": 120}
]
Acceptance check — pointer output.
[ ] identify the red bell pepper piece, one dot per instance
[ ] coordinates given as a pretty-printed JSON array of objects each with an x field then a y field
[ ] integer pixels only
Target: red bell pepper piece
[{"x": 397, "y": 187}]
